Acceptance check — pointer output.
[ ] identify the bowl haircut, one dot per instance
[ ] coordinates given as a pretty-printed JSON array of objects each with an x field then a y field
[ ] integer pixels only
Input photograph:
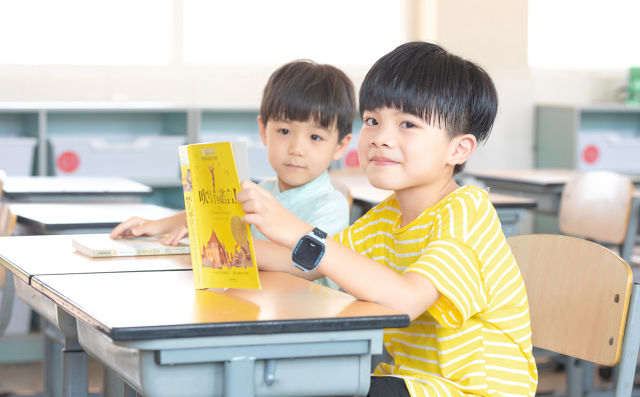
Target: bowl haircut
[
  {"x": 303, "y": 90},
  {"x": 425, "y": 80}
]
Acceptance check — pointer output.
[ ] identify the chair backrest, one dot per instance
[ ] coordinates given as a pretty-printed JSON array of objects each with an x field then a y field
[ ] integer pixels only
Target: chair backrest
[
  {"x": 578, "y": 295},
  {"x": 596, "y": 205},
  {"x": 7, "y": 220}
]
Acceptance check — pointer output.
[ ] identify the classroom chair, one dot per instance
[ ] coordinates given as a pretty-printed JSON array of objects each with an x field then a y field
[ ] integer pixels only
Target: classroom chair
[
  {"x": 597, "y": 205},
  {"x": 583, "y": 304},
  {"x": 7, "y": 226}
]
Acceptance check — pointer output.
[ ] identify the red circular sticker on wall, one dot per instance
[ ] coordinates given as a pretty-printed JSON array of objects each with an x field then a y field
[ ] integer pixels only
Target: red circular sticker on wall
[
  {"x": 351, "y": 159},
  {"x": 68, "y": 161},
  {"x": 590, "y": 154}
]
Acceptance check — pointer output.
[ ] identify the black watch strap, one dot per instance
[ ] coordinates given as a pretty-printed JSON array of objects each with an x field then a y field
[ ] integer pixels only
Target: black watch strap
[{"x": 319, "y": 233}]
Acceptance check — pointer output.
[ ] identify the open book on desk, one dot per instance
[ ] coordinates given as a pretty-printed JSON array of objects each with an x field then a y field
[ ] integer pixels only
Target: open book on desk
[{"x": 101, "y": 245}]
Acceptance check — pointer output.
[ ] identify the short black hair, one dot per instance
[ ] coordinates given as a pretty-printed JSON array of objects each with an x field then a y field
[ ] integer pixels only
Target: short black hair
[
  {"x": 304, "y": 90},
  {"x": 425, "y": 80}
]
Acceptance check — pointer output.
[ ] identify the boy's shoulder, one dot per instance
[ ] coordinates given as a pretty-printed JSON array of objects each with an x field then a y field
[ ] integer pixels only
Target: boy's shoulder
[
  {"x": 467, "y": 201},
  {"x": 467, "y": 195}
]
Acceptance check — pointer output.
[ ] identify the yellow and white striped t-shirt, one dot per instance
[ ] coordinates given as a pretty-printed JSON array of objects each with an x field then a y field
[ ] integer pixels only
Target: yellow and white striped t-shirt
[{"x": 476, "y": 338}]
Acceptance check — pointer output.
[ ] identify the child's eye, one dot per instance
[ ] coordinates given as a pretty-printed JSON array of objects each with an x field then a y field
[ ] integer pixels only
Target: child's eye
[
  {"x": 284, "y": 131},
  {"x": 316, "y": 137},
  {"x": 407, "y": 124},
  {"x": 370, "y": 121}
]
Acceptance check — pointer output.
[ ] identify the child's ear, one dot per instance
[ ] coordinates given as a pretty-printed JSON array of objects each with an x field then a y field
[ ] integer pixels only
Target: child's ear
[
  {"x": 342, "y": 146},
  {"x": 262, "y": 128},
  {"x": 462, "y": 147}
]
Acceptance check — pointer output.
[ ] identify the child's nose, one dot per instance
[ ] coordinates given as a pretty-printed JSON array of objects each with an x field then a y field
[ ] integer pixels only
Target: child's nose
[
  {"x": 382, "y": 137},
  {"x": 297, "y": 145}
]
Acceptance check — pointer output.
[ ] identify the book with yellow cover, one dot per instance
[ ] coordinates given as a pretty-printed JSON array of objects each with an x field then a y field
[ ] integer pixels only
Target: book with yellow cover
[{"x": 222, "y": 252}]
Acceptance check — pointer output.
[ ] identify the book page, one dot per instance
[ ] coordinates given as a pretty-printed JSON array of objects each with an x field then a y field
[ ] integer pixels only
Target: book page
[{"x": 101, "y": 245}]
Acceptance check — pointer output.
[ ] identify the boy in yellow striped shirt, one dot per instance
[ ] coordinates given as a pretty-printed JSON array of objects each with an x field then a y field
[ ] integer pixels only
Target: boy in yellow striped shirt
[{"x": 432, "y": 249}]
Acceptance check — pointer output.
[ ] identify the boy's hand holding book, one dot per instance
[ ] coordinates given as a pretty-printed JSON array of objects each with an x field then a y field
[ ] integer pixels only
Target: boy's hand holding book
[{"x": 268, "y": 215}]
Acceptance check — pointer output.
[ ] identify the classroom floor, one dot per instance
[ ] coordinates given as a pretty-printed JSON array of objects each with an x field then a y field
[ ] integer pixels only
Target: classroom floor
[{"x": 26, "y": 379}]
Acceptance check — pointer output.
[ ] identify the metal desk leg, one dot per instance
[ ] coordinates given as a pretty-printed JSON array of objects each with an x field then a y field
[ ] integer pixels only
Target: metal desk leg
[
  {"x": 114, "y": 386},
  {"x": 237, "y": 373},
  {"x": 66, "y": 365},
  {"x": 575, "y": 377},
  {"x": 6, "y": 299}
]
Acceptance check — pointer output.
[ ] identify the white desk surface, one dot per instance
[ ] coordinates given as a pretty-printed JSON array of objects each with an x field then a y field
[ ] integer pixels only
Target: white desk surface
[
  {"x": 28, "y": 256},
  {"x": 61, "y": 216},
  {"x": 151, "y": 305}
]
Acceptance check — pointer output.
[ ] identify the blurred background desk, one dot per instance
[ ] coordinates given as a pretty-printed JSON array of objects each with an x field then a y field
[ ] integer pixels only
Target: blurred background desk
[
  {"x": 545, "y": 185},
  {"x": 71, "y": 189},
  {"x": 510, "y": 208},
  {"x": 61, "y": 218}
]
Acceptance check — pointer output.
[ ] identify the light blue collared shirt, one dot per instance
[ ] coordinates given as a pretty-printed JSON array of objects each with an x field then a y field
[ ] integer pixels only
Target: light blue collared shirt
[{"x": 317, "y": 202}]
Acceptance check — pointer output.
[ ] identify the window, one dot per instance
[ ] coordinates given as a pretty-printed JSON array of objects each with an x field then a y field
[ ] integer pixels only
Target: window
[
  {"x": 277, "y": 31},
  {"x": 584, "y": 33},
  {"x": 83, "y": 32}
]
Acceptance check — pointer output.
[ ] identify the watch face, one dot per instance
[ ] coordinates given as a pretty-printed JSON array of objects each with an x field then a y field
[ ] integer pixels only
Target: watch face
[{"x": 308, "y": 253}]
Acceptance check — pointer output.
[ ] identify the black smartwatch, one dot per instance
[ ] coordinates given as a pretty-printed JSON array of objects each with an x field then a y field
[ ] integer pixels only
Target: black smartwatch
[{"x": 310, "y": 249}]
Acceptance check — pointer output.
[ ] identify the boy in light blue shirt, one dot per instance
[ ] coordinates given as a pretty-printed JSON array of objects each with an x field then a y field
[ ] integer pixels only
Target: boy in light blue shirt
[
  {"x": 317, "y": 200},
  {"x": 305, "y": 122}
]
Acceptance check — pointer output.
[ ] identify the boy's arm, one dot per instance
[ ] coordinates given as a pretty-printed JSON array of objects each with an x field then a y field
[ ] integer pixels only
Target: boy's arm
[
  {"x": 358, "y": 275},
  {"x": 274, "y": 257},
  {"x": 136, "y": 226}
]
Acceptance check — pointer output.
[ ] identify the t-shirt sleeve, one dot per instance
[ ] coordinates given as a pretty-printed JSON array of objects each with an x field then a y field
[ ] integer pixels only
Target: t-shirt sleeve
[
  {"x": 454, "y": 270},
  {"x": 453, "y": 266}
]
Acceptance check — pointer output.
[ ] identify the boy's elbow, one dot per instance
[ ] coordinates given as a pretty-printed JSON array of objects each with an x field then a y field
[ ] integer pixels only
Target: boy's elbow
[{"x": 419, "y": 294}]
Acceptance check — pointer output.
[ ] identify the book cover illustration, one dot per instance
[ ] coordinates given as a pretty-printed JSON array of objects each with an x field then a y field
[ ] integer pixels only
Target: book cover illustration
[
  {"x": 101, "y": 245},
  {"x": 221, "y": 245}
]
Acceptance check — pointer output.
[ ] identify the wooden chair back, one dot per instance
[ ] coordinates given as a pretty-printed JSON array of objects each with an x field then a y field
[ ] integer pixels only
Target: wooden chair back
[
  {"x": 7, "y": 220},
  {"x": 578, "y": 295},
  {"x": 596, "y": 205}
]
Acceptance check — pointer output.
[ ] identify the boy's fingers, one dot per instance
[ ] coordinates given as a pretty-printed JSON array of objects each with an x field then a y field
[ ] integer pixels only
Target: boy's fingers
[
  {"x": 246, "y": 184},
  {"x": 252, "y": 219},
  {"x": 123, "y": 228}
]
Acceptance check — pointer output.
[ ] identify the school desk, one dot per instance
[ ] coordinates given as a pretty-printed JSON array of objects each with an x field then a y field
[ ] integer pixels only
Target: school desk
[
  {"x": 545, "y": 186},
  {"x": 59, "y": 218},
  {"x": 510, "y": 208},
  {"x": 65, "y": 363},
  {"x": 152, "y": 327},
  {"x": 74, "y": 189},
  {"x": 65, "y": 218}
]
